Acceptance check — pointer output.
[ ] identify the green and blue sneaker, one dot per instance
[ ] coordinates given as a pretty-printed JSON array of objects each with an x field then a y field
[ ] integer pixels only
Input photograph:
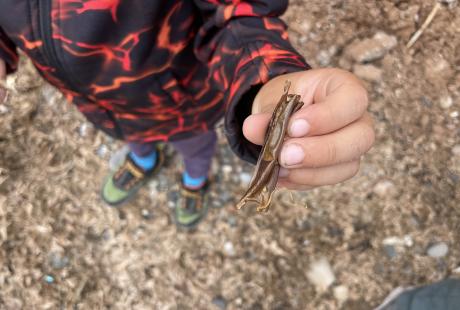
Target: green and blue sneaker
[
  {"x": 192, "y": 206},
  {"x": 122, "y": 184}
]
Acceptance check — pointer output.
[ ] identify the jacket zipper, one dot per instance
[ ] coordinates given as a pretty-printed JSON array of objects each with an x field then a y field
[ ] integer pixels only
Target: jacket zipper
[{"x": 44, "y": 15}]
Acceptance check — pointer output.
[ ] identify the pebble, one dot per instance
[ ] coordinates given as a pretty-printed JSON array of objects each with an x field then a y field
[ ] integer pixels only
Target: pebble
[
  {"x": 147, "y": 214},
  {"x": 48, "y": 279},
  {"x": 341, "y": 293},
  {"x": 408, "y": 241},
  {"x": 102, "y": 150},
  {"x": 321, "y": 274},
  {"x": 220, "y": 302},
  {"x": 438, "y": 250},
  {"x": 446, "y": 102},
  {"x": 173, "y": 198},
  {"x": 245, "y": 178},
  {"x": 390, "y": 251},
  {"x": 454, "y": 114},
  {"x": 368, "y": 72},
  {"x": 229, "y": 248},
  {"x": 58, "y": 261},
  {"x": 383, "y": 188},
  {"x": 3, "y": 109},
  {"x": 396, "y": 241},
  {"x": 227, "y": 169},
  {"x": 83, "y": 130},
  {"x": 456, "y": 150},
  {"x": 371, "y": 48},
  {"x": 232, "y": 221},
  {"x": 450, "y": 3},
  {"x": 324, "y": 58}
]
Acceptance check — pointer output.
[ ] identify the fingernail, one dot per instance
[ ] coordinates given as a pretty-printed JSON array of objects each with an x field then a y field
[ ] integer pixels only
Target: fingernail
[
  {"x": 292, "y": 155},
  {"x": 283, "y": 172},
  {"x": 299, "y": 128}
]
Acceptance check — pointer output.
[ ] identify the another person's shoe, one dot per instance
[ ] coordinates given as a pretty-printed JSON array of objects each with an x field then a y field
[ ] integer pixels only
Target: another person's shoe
[
  {"x": 122, "y": 184},
  {"x": 192, "y": 206}
]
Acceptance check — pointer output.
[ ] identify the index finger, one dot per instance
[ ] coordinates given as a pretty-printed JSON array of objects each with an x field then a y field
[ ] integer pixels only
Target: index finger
[{"x": 345, "y": 104}]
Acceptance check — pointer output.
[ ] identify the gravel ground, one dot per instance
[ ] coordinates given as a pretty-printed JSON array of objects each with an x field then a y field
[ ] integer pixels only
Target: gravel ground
[{"x": 347, "y": 246}]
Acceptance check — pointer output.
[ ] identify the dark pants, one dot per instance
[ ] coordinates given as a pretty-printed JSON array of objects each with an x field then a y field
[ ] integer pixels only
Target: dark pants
[{"x": 197, "y": 152}]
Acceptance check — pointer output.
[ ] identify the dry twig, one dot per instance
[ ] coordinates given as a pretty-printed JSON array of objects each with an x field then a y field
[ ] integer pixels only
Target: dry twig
[{"x": 425, "y": 25}]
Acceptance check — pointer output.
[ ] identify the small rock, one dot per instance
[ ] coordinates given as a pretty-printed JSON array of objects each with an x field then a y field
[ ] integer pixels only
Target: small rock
[
  {"x": 48, "y": 279},
  {"x": 368, "y": 72},
  {"x": 147, "y": 214},
  {"x": 396, "y": 241},
  {"x": 173, "y": 198},
  {"x": 456, "y": 150},
  {"x": 454, "y": 114},
  {"x": 390, "y": 251},
  {"x": 102, "y": 150},
  {"x": 372, "y": 48},
  {"x": 446, "y": 102},
  {"x": 220, "y": 302},
  {"x": 456, "y": 270},
  {"x": 324, "y": 58},
  {"x": 408, "y": 241},
  {"x": 232, "y": 221},
  {"x": 438, "y": 250},
  {"x": 227, "y": 169},
  {"x": 57, "y": 261},
  {"x": 229, "y": 249},
  {"x": 341, "y": 293},
  {"x": 426, "y": 102},
  {"x": 450, "y": 3},
  {"x": 118, "y": 157},
  {"x": 3, "y": 109},
  {"x": 321, "y": 274},
  {"x": 245, "y": 178},
  {"x": 83, "y": 130},
  {"x": 383, "y": 188}
]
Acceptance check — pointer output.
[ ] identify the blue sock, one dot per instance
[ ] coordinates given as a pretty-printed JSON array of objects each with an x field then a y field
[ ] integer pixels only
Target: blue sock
[
  {"x": 145, "y": 162},
  {"x": 193, "y": 182}
]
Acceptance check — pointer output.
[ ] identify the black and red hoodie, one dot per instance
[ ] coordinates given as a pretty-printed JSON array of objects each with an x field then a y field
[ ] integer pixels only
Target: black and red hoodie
[{"x": 150, "y": 70}]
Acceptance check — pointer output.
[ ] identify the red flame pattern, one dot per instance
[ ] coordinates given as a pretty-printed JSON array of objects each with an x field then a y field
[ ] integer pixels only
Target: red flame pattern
[{"x": 144, "y": 71}]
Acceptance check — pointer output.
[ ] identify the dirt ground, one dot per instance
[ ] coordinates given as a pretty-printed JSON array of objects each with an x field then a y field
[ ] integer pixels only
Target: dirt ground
[{"x": 61, "y": 248}]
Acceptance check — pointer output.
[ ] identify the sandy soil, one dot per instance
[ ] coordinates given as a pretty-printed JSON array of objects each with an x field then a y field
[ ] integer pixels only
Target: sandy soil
[{"x": 60, "y": 247}]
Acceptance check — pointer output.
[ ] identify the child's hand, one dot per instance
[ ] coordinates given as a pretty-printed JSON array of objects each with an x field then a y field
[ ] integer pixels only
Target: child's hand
[
  {"x": 2, "y": 77},
  {"x": 327, "y": 137}
]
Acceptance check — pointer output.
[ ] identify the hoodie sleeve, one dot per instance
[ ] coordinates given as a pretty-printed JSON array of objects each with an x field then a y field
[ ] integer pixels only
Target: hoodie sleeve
[
  {"x": 8, "y": 52},
  {"x": 244, "y": 44}
]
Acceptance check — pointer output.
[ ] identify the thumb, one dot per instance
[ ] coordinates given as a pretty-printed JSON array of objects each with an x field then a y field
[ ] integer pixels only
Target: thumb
[{"x": 255, "y": 125}]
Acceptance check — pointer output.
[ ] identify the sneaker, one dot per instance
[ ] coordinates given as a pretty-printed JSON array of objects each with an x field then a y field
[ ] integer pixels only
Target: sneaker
[
  {"x": 191, "y": 207},
  {"x": 123, "y": 184}
]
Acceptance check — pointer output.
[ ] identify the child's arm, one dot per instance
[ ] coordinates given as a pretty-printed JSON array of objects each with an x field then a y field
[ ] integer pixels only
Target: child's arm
[{"x": 244, "y": 44}]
